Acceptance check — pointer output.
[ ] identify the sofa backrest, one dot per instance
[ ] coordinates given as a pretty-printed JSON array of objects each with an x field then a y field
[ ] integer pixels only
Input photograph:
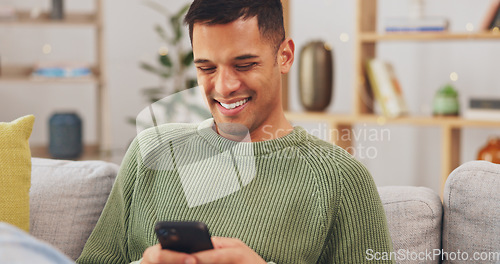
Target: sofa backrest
[
  {"x": 67, "y": 197},
  {"x": 66, "y": 200}
]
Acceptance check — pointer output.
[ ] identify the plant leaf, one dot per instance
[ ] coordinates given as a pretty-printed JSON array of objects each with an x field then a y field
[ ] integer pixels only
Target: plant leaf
[
  {"x": 200, "y": 111},
  {"x": 177, "y": 28},
  {"x": 157, "y": 7},
  {"x": 187, "y": 59},
  {"x": 154, "y": 93},
  {"x": 165, "y": 60},
  {"x": 191, "y": 83},
  {"x": 170, "y": 107},
  {"x": 148, "y": 67},
  {"x": 162, "y": 33},
  {"x": 131, "y": 120},
  {"x": 152, "y": 69},
  {"x": 152, "y": 90},
  {"x": 176, "y": 23},
  {"x": 182, "y": 11}
]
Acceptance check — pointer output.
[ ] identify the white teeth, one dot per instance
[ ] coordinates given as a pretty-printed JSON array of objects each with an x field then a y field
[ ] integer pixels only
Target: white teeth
[{"x": 234, "y": 105}]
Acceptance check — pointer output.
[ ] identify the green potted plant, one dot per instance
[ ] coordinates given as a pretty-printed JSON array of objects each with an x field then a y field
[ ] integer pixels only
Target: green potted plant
[
  {"x": 174, "y": 60},
  {"x": 446, "y": 102}
]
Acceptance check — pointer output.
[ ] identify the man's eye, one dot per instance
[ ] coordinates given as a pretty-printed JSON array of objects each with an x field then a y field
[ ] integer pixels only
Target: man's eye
[
  {"x": 246, "y": 66},
  {"x": 207, "y": 69}
]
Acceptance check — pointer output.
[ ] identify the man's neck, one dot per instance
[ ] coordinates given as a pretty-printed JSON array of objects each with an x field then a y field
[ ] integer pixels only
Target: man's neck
[{"x": 236, "y": 132}]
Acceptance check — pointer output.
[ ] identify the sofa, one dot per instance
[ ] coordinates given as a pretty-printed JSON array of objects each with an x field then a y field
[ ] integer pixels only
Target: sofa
[{"x": 66, "y": 199}]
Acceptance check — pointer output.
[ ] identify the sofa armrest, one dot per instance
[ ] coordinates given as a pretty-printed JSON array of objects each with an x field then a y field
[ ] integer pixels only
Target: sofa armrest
[
  {"x": 471, "y": 223},
  {"x": 414, "y": 216}
]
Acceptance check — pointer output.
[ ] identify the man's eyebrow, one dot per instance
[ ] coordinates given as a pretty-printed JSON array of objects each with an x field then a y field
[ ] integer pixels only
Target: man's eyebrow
[
  {"x": 242, "y": 57},
  {"x": 246, "y": 57},
  {"x": 201, "y": 61}
]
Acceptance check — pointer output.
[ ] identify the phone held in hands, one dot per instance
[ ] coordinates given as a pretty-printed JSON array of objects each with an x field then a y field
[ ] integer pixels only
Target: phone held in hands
[{"x": 187, "y": 237}]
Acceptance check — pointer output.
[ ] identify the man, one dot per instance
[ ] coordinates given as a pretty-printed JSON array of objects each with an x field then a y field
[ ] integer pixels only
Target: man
[{"x": 296, "y": 199}]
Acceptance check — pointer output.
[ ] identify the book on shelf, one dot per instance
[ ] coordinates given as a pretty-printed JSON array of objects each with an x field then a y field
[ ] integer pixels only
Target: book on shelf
[
  {"x": 423, "y": 24},
  {"x": 496, "y": 22},
  {"x": 492, "y": 16},
  {"x": 61, "y": 70},
  {"x": 483, "y": 109},
  {"x": 7, "y": 13},
  {"x": 386, "y": 88}
]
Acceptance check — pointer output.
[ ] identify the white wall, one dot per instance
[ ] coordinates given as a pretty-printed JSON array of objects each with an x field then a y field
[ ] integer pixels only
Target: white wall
[{"x": 410, "y": 156}]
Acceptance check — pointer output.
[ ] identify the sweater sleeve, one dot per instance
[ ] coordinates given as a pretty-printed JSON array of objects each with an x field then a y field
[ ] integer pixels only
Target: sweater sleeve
[
  {"x": 359, "y": 232},
  {"x": 108, "y": 241}
]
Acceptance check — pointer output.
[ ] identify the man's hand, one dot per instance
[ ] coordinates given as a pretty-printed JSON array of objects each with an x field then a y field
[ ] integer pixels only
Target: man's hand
[
  {"x": 228, "y": 251},
  {"x": 157, "y": 255}
]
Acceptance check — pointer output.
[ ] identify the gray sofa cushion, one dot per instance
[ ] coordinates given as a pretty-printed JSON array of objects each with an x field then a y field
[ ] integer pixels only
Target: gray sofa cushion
[
  {"x": 66, "y": 200},
  {"x": 471, "y": 223},
  {"x": 414, "y": 216}
]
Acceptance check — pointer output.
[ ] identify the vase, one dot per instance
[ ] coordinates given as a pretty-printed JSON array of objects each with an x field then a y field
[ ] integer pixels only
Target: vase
[
  {"x": 491, "y": 152},
  {"x": 65, "y": 130},
  {"x": 57, "y": 11},
  {"x": 316, "y": 76},
  {"x": 446, "y": 102}
]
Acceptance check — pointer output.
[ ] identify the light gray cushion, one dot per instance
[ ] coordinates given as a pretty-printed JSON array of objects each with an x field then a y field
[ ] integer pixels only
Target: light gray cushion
[
  {"x": 66, "y": 200},
  {"x": 472, "y": 212},
  {"x": 414, "y": 216}
]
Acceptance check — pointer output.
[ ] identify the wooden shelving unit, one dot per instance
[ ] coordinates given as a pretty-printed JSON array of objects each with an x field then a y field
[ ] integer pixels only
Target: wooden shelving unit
[
  {"x": 22, "y": 73},
  {"x": 366, "y": 40},
  {"x": 370, "y": 37},
  {"x": 25, "y": 18},
  {"x": 454, "y": 122}
]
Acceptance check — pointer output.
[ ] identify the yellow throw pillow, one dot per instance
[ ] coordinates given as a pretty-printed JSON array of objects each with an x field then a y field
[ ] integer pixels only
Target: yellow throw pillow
[{"x": 15, "y": 171}]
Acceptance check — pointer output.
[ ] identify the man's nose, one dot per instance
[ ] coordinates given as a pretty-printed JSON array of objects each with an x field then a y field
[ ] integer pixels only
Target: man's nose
[{"x": 227, "y": 82}]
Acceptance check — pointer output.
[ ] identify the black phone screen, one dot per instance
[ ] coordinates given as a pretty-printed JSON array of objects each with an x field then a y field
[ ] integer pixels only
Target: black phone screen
[{"x": 187, "y": 237}]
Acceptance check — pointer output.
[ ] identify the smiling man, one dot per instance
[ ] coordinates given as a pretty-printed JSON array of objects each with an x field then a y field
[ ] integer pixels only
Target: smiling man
[
  {"x": 268, "y": 191},
  {"x": 240, "y": 71}
]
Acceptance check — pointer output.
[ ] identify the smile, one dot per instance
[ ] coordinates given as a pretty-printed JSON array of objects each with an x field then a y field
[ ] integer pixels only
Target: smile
[{"x": 234, "y": 105}]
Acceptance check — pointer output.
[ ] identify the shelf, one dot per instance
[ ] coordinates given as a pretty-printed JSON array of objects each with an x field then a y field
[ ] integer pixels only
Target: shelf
[
  {"x": 22, "y": 74},
  {"x": 35, "y": 18},
  {"x": 90, "y": 152},
  {"x": 366, "y": 48},
  {"x": 71, "y": 19},
  {"x": 427, "y": 36},
  {"x": 452, "y": 122}
]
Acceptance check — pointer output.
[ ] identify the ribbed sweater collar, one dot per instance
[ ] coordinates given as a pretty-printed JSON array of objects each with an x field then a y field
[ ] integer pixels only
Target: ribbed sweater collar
[{"x": 206, "y": 129}]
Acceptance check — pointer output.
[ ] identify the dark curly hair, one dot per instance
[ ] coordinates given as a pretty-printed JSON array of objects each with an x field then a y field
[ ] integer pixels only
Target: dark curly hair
[{"x": 269, "y": 15}]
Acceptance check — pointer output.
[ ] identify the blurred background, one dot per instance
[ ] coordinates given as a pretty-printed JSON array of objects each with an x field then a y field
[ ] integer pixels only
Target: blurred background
[{"x": 394, "y": 154}]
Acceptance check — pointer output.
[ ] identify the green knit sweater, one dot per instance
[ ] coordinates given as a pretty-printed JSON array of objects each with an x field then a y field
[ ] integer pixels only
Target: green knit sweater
[{"x": 295, "y": 199}]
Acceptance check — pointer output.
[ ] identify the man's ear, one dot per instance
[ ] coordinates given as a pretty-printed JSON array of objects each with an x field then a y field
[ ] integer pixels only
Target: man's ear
[{"x": 286, "y": 55}]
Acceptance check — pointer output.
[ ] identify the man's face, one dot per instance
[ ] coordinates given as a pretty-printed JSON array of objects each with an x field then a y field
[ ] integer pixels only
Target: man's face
[{"x": 240, "y": 74}]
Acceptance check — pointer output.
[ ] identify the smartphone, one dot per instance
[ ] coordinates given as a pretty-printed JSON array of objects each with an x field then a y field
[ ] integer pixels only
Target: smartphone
[{"x": 187, "y": 237}]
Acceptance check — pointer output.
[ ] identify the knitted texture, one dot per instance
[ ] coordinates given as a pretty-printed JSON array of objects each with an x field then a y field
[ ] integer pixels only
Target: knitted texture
[
  {"x": 294, "y": 199},
  {"x": 15, "y": 171}
]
